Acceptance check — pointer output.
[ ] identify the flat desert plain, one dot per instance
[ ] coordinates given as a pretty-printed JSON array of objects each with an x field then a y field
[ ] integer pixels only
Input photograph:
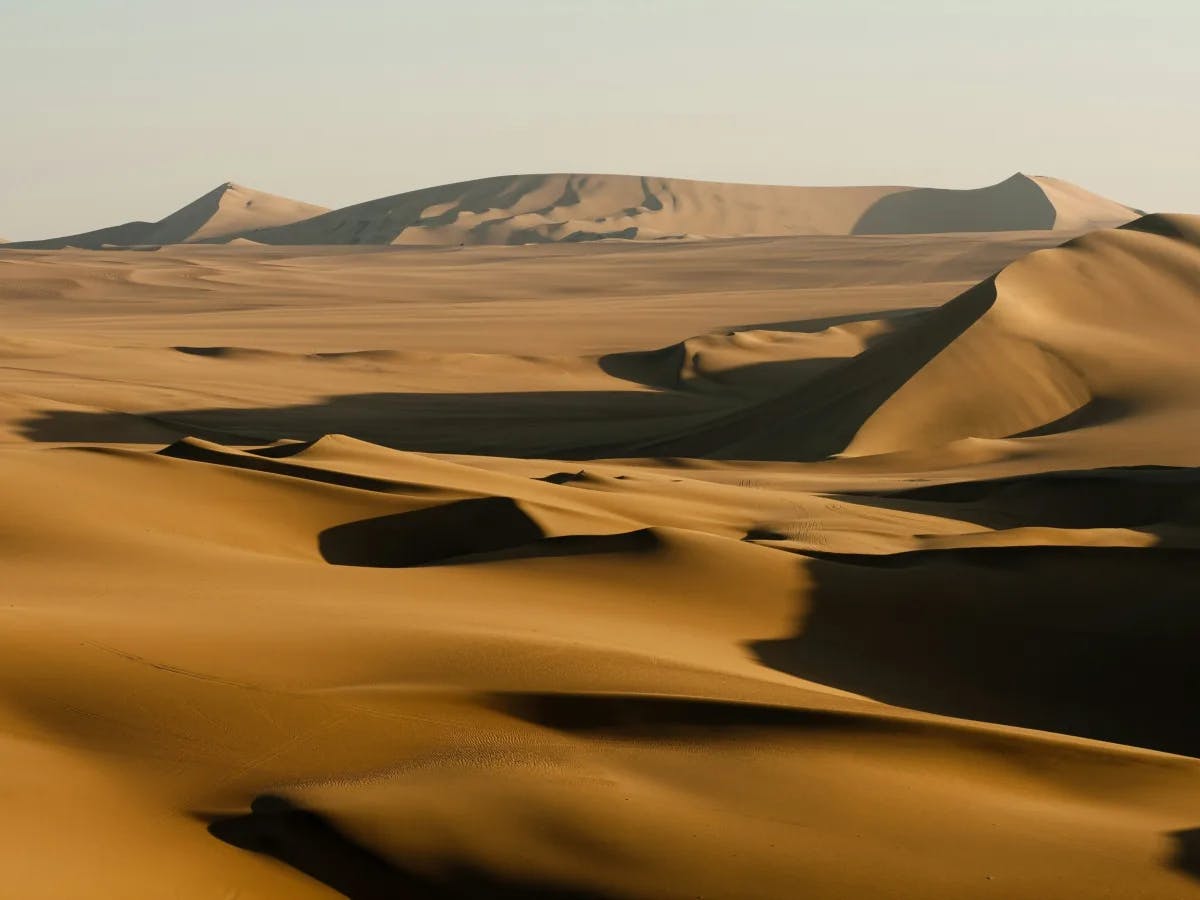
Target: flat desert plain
[{"x": 831, "y": 566}]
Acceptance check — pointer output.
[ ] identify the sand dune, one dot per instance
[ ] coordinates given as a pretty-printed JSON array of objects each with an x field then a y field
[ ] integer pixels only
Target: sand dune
[
  {"x": 553, "y": 208},
  {"x": 569, "y": 208},
  {"x": 222, "y": 213},
  {"x": 1096, "y": 334},
  {"x": 838, "y": 566},
  {"x": 443, "y": 668}
]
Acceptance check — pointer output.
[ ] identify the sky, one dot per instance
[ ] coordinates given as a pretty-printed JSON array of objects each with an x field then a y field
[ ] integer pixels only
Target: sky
[{"x": 115, "y": 110}]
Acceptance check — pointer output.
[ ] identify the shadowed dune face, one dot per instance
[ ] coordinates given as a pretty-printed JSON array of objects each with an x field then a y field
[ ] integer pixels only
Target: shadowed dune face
[
  {"x": 468, "y": 531},
  {"x": 1187, "y": 851},
  {"x": 1139, "y": 498},
  {"x": 306, "y": 841},
  {"x": 1015, "y": 204},
  {"x": 1045, "y": 638},
  {"x": 431, "y": 535},
  {"x": 127, "y": 234}
]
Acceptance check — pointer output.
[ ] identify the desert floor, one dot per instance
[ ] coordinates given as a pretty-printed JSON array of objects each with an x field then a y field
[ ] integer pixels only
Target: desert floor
[{"x": 730, "y": 569}]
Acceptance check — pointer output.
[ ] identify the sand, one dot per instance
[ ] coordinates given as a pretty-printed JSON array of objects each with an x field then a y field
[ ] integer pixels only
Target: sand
[
  {"x": 220, "y": 215},
  {"x": 831, "y": 566},
  {"x": 574, "y": 208}
]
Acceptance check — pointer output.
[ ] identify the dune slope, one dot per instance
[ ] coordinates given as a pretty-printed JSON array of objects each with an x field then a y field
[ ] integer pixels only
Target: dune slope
[
  {"x": 573, "y": 207},
  {"x": 1096, "y": 334},
  {"x": 223, "y": 212},
  {"x": 384, "y": 672}
]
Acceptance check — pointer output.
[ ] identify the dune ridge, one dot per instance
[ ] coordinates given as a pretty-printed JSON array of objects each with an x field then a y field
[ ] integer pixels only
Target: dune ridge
[
  {"x": 221, "y": 214},
  {"x": 1096, "y": 333}
]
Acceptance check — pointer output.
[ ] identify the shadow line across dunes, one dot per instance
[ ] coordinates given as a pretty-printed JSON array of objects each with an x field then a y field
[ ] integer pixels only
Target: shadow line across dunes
[
  {"x": 474, "y": 530},
  {"x": 430, "y": 535},
  {"x": 1116, "y": 497},
  {"x": 1096, "y": 642},
  {"x": 653, "y": 717},
  {"x": 822, "y": 416},
  {"x": 267, "y": 460},
  {"x": 310, "y": 843},
  {"x": 801, "y": 409},
  {"x": 1014, "y": 204},
  {"x": 1187, "y": 851},
  {"x": 469, "y": 531},
  {"x": 564, "y": 424}
]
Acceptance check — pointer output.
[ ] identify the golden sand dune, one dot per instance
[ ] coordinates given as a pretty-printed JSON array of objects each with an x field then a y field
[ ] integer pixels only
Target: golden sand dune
[
  {"x": 871, "y": 573},
  {"x": 483, "y": 681},
  {"x": 1096, "y": 334},
  {"x": 220, "y": 214}
]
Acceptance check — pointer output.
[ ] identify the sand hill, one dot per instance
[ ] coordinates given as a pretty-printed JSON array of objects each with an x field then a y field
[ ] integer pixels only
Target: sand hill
[
  {"x": 567, "y": 208},
  {"x": 222, "y": 213},
  {"x": 553, "y": 208},
  {"x": 873, "y": 572}
]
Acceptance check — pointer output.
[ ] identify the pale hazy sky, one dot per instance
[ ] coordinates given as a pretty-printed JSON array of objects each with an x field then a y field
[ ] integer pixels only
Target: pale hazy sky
[{"x": 126, "y": 109}]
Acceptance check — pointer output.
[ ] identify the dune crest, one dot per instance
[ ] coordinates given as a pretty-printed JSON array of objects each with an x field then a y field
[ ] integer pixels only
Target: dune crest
[
  {"x": 222, "y": 213},
  {"x": 1096, "y": 333},
  {"x": 1105, "y": 324}
]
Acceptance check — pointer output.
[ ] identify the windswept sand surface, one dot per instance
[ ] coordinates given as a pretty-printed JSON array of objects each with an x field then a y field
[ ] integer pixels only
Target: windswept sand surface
[{"x": 831, "y": 567}]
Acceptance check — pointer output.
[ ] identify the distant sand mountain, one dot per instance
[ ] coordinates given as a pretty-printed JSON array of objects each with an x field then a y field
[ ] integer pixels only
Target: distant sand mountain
[
  {"x": 553, "y": 208},
  {"x": 222, "y": 213},
  {"x": 517, "y": 209}
]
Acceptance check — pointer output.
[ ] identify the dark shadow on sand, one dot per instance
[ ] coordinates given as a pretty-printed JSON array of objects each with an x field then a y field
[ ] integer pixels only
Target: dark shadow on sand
[
  {"x": 647, "y": 717},
  {"x": 1186, "y": 857},
  {"x": 562, "y": 424},
  {"x": 430, "y": 535},
  {"x": 1015, "y": 204},
  {"x": 1097, "y": 642},
  {"x": 311, "y": 844},
  {"x": 484, "y": 529},
  {"x": 1140, "y": 497}
]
